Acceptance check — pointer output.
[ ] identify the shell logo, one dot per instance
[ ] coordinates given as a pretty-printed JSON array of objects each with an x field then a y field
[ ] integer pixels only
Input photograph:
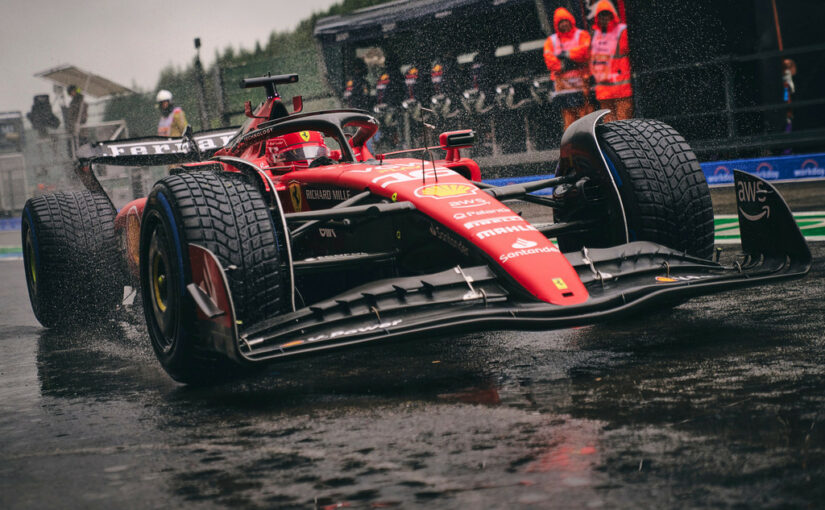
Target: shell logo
[{"x": 445, "y": 190}]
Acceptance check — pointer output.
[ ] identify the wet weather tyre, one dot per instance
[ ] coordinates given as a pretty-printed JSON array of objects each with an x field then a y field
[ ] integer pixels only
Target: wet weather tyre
[
  {"x": 228, "y": 216},
  {"x": 662, "y": 186},
  {"x": 72, "y": 261}
]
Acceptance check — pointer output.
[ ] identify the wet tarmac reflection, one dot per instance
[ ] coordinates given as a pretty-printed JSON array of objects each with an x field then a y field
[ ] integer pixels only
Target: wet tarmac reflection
[{"x": 718, "y": 402}]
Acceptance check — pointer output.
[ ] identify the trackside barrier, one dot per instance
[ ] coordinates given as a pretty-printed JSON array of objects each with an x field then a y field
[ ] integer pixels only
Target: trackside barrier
[
  {"x": 720, "y": 173},
  {"x": 9, "y": 223},
  {"x": 777, "y": 168}
]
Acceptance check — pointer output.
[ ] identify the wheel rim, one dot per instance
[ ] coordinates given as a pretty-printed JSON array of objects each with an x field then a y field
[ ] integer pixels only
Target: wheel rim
[{"x": 163, "y": 291}]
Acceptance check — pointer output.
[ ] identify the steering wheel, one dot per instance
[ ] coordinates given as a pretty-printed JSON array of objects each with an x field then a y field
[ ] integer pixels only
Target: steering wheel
[{"x": 322, "y": 161}]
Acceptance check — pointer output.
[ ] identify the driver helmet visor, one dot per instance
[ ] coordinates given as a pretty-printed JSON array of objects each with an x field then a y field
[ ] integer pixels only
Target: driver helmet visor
[{"x": 303, "y": 153}]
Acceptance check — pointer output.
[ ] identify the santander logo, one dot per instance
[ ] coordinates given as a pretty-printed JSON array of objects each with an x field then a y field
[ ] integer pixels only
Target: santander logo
[{"x": 522, "y": 244}]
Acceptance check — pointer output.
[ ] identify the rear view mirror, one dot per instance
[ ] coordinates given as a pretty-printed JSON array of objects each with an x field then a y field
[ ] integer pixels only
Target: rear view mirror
[
  {"x": 457, "y": 139},
  {"x": 297, "y": 104},
  {"x": 247, "y": 110}
]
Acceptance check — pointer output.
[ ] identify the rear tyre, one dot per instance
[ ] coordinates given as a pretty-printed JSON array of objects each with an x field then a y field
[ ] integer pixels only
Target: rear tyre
[
  {"x": 72, "y": 261},
  {"x": 227, "y": 216},
  {"x": 663, "y": 189}
]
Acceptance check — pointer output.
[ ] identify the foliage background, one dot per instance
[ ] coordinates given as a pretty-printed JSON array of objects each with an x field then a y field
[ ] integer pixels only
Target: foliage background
[{"x": 284, "y": 52}]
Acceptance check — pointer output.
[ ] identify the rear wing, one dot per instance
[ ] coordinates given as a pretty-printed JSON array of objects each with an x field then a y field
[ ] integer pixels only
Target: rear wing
[{"x": 154, "y": 150}]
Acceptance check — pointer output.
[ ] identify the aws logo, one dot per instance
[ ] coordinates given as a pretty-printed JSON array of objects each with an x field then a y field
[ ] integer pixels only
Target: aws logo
[{"x": 439, "y": 191}]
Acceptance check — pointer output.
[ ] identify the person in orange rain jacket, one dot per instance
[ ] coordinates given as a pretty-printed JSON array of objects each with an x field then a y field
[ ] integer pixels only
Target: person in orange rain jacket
[
  {"x": 566, "y": 54},
  {"x": 609, "y": 63}
]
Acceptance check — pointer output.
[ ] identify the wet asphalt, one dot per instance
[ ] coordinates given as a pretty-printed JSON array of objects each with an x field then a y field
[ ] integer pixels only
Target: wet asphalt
[{"x": 719, "y": 402}]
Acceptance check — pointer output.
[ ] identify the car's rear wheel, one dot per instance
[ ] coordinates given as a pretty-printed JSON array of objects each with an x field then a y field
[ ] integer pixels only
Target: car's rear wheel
[
  {"x": 662, "y": 187},
  {"x": 73, "y": 266},
  {"x": 227, "y": 216}
]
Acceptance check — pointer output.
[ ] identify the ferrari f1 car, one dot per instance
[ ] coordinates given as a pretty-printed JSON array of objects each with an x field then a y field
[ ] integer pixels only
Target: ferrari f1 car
[{"x": 288, "y": 236}]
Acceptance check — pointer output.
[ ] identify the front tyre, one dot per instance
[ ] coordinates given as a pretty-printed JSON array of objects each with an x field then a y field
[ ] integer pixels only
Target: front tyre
[
  {"x": 227, "y": 216},
  {"x": 663, "y": 188}
]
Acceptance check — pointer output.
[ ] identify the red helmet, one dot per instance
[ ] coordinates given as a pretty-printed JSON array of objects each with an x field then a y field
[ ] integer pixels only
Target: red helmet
[{"x": 296, "y": 149}]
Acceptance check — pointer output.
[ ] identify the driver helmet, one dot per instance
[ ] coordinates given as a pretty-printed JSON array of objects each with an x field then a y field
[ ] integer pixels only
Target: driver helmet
[{"x": 296, "y": 149}]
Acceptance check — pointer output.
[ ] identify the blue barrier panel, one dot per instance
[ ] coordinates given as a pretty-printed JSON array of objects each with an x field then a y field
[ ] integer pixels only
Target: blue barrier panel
[
  {"x": 517, "y": 180},
  {"x": 9, "y": 223},
  {"x": 718, "y": 173},
  {"x": 778, "y": 168}
]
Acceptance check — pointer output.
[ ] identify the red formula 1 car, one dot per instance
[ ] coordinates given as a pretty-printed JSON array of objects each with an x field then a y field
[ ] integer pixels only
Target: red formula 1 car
[{"x": 287, "y": 236}]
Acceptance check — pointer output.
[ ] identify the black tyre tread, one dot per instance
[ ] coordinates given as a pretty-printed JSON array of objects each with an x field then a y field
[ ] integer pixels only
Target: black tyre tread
[
  {"x": 81, "y": 273},
  {"x": 669, "y": 198},
  {"x": 226, "y": 215}
]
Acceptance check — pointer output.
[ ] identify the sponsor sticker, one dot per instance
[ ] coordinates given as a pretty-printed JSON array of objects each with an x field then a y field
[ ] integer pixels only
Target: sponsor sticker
[
  {"x": 449, "y": 239},
  {"x": 753, "y": 193},
  {"x": 483, "y": 212},
  {"x": 440, "y": 191},
  {"x": 559, "y": 283},
  {"x": 341, "y": 333},
  {"x": 683, "y": 278},
  {"x": 469, "y": 203},
  {"x": 327, "y": 194},
  {"x": 353, "y": 331},
  {"x": 523, "y": 244},
  {"x": 505, "y": 230},
  {"x": 491, "y": 221},
  {"x": 505, "y": 257}
]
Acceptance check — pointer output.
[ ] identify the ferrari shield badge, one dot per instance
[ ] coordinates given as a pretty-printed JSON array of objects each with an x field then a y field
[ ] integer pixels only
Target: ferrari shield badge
[{"x": 295, "y": 195}]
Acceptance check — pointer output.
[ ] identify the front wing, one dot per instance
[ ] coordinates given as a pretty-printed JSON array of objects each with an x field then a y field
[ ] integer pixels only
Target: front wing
[{"x": 621, "y": 280}]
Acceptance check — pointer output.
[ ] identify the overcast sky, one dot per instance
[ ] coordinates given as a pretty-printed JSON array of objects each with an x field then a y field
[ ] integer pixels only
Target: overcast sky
[{"x": 128, "y": 41}]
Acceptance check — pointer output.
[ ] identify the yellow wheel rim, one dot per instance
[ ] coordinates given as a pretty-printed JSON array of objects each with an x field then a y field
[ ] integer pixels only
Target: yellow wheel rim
[
  {"x": 159, "y": 282},
  {"x": 32, "y": 261}
]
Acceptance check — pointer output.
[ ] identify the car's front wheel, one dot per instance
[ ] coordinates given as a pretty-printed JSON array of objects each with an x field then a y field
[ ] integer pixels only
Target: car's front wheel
[
  {"x": 664, "y": 196},
  {"x": 228, "y": 217}
]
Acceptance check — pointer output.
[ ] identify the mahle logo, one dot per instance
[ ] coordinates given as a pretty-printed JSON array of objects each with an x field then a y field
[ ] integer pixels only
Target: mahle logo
[{"x": 445, "y": 190}]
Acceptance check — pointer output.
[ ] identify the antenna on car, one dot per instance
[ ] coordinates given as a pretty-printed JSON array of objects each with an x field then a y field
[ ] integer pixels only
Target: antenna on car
[{"x": 427, "y": 145}]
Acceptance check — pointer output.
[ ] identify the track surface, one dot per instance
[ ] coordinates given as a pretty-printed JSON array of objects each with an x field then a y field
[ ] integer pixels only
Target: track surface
[{"x": 719, "y": 402}]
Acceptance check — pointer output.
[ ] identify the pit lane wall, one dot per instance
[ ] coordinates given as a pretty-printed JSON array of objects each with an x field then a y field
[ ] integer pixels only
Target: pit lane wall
[{"x": 720, "y": 173}]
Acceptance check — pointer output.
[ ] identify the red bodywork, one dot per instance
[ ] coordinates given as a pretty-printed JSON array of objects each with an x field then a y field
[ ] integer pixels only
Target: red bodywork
[{"x": 442, "y": 190}]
